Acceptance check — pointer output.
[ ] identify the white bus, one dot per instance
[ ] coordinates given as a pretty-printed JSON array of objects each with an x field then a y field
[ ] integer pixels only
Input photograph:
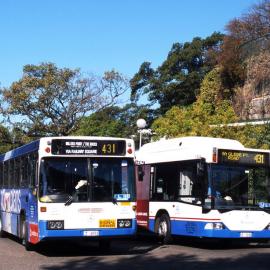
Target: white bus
[
  {"x": 203, "y": 187},
  {"x": 68, "y": 187}
]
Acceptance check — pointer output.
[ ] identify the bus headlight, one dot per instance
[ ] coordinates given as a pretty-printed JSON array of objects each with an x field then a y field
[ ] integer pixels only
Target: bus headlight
[
  {"x": 55, "y": 225},
  {"x": 214, "y": 226},
  {"x": 124, "y": 223}
]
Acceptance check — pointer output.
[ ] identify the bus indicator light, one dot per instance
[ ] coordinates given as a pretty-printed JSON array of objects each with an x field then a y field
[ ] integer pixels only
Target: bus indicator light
[
  {"x": 214, "y": 157},
  {"x": 129, "y": 151},
  {"x": 48, "y": 150},
  {"x": 43, "y": 209}
]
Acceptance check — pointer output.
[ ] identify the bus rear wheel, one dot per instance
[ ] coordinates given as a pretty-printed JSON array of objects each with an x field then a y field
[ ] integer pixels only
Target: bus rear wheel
[
  {"x": 163, "y": 229},
  {"x": 24, "y": 235}
]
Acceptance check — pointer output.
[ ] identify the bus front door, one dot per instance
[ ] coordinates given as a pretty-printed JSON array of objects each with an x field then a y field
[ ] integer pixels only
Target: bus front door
[{"x": 142, "y": 185}]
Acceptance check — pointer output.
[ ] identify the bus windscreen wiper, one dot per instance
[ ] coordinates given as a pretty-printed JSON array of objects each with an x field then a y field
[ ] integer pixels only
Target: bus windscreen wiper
[{"x": 69, "y": 201}]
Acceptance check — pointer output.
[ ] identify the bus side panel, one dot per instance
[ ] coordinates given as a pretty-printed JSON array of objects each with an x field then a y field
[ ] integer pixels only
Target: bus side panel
[
  {"x": 143, "y": 197},
  {"x": 10, "y": 210},
  {"x": 32, "y": 218}
]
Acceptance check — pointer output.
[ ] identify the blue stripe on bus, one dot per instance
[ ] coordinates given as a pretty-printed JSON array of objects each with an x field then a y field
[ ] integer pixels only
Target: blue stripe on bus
[
  {"x": 196, "y": 229},
  {"x": 44, "y": 233},
  {"x": 30, "y": 147}
]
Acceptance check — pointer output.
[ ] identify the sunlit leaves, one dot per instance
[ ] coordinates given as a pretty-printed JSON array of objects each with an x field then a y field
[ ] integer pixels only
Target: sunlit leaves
[{"x": 51, "y": 100}]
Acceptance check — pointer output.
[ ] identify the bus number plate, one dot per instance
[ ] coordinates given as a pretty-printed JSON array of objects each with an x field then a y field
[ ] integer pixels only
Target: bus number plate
[
  {"x": 91, "y": 233},
  {"x": 107, "y": 223},
  {"x": 245, "y": 234}
]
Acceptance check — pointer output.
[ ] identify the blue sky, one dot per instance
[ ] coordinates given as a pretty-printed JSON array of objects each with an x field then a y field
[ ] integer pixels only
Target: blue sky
[{"x": 99, "y": 35}]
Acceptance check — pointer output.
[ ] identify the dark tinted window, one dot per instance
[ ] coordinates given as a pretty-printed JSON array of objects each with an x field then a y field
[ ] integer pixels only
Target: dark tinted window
[{"x": 176, "y": 181}]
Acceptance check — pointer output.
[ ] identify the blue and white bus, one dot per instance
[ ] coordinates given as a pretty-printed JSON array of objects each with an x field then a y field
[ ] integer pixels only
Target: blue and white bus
[
  {"x": 203, "y": 187},
  {"x": 66, "y": 187}
]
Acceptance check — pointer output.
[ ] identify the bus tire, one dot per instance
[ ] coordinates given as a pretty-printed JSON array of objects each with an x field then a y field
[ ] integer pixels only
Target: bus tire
[
  {"x": 24, "y": 234},
  {"x": 2, "y": 233},
  {"x": 163, "y": 229}
]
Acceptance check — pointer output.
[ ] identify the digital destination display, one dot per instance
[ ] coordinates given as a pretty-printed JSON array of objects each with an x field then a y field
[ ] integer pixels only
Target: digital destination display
[
  {"x": 243, "y": 157},
  {"x": 88, "y": 147}
]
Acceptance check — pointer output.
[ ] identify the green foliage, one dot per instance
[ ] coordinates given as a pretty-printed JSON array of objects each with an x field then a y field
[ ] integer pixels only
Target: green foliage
[
  {"x": 200, "y": 118},
  {"x": 51, "y": 100},
  {"x": 6, "y": 142},
  {"x": 177, "y": 80},
  {"x": 103, "y": 123},
  {"x": 208, "y": 116},
  {"x": 114, "y": 121}
]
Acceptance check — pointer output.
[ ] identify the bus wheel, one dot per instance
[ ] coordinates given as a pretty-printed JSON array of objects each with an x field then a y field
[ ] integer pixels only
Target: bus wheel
[
  {"x": 24, "y": 234},
  {"x": 105, "y": 244},
  {"x": 163, "y": 229}
]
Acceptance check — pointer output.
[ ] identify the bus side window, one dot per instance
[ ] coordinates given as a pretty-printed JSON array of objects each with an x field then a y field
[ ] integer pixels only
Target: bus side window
[
  {"x": 186, "y": 183},
  {"x": 17, "y": 172},
  {"x": 165, "y": 181},
  {"x": 140, "y": 173},
  {"x": 5, "y": 180},
  {"x": 189, "y": 185},
  {"x": 32, "y": 169},
  {"x": 11, "y": 173},
  {"x": 24, "y": 171}
]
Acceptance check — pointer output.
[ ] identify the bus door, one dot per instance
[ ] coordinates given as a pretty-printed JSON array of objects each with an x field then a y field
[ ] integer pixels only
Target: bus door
[{"x": 143, "y": 176}]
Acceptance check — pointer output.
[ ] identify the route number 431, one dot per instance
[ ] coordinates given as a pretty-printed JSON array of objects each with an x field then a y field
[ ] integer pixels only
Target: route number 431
[{"x": 109, "y": 148}]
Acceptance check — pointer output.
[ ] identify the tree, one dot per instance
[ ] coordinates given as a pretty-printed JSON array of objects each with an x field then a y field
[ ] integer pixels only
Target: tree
[
  {"x": 245, "y": 35},
  {"x": 203, "y": 117},
  {"x": 177, "y": 80},
  {"x": 6, "y": 140},
  {"x": 49, "y": 100},
  {"x": 114, "y": 121},
  {"x": 252, "y": 100},
  {"x": 208, "y": 116},
  {"x": 105, "y": 122}
]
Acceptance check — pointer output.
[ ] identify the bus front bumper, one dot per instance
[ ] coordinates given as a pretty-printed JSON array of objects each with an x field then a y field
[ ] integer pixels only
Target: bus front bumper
[{"x": 44, "y": 233}]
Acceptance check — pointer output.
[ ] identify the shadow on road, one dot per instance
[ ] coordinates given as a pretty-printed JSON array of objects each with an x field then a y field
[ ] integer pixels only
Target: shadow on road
[
  {"x": 180, "y": 261},
  {"x": 183, "y": 254},
  {"x": 147, "y": 254},
  {"x": 91, "y": 248},
  {"x": 217, "y": 244}
]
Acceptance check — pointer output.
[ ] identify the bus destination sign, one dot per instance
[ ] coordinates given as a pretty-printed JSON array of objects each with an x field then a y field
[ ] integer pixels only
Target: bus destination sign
[
  {"x": 243, "y": 157},
  {"x": 88, "y": 147}
]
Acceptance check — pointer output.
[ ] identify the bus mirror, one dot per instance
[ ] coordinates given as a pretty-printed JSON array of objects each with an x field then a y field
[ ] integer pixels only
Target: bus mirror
[
  {"x": 201, "y": 167},
  {"x": 140, "y": 173}
]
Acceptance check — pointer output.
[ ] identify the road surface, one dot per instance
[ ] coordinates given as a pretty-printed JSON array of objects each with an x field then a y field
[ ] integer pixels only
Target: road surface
[{"x": 136, "y": 254}]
